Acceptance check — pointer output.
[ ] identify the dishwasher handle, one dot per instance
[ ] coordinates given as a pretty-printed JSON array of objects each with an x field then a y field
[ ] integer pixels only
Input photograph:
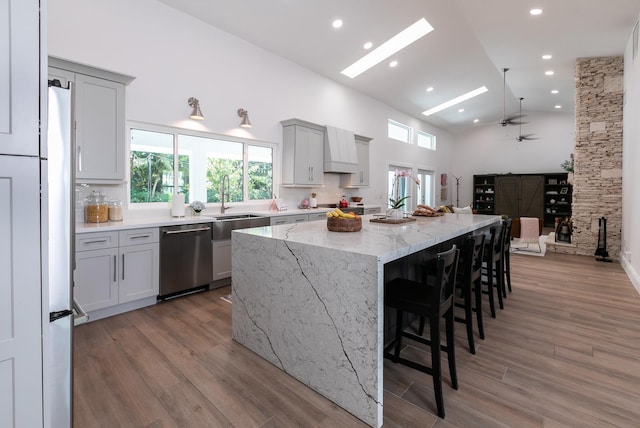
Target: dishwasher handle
[{"x": 175, "y": 232}]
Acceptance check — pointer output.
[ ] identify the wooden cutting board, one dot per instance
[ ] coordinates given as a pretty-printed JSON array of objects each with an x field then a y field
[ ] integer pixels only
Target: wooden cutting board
[{"x": 392, "y": 221}]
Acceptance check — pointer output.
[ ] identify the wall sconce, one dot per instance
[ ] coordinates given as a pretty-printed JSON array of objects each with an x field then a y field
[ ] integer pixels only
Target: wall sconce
[
  {"x": 245, "y": 118},
  {"x": 196, "y": 113}
]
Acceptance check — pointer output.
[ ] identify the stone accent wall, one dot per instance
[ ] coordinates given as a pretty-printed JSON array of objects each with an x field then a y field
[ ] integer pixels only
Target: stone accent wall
[{"x": 597, "y": 183}]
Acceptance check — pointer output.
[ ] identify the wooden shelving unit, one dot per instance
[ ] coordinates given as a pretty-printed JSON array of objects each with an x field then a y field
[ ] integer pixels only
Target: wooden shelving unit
[
  {"x": 484, "y": 193},
  {"x": 557, "y": 198}
]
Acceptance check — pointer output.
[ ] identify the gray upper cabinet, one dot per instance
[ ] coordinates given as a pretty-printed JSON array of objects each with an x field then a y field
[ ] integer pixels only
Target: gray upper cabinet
[
  {"x": 99, "y": 109},
  {"x": 302, "y": 154},
  {"x": 361, "y": 177}
]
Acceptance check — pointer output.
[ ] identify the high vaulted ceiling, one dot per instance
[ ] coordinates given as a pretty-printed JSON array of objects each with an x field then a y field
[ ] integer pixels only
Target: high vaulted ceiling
[{"x": 472, "y": 42}]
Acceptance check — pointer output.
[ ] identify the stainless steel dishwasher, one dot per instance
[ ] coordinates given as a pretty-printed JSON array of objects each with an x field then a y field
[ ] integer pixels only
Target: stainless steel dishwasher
[{"x": 185, "y": 259}]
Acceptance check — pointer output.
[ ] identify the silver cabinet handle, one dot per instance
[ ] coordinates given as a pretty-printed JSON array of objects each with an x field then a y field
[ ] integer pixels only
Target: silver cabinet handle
[
  {"x": 174, "y": 232},
  {"x": 123, "y": 267},
  {"x": 98, "y": 241},
  {"x": 140, "y": 237},
  {"x": 115, "y": 274},
  {"x": 79, "y": 150}
]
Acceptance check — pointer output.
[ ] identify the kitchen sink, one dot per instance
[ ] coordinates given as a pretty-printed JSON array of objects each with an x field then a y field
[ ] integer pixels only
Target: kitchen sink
[
  {"x": 236, "y": 216},
  {"x": 221, "y": 229}
]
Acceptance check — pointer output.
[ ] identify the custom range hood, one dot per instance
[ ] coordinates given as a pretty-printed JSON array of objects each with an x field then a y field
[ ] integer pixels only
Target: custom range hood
[{"x": 340, "y": 153}]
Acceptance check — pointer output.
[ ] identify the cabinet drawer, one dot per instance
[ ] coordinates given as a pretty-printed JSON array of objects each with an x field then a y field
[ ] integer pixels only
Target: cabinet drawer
[
  {"x": 281, "y": 219},
  {"x": 372, "y": 210},
  {"x": 298, "y": 218},
  {"x": 138, "y": 236},
  {"x": 318, "y": 216},
  {"x": 96, "y": 241}
]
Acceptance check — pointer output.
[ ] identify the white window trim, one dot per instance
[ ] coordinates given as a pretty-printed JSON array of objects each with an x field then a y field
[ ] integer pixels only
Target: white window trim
[
  {"x": 431, "y": 137},
  {"x": 173, "y": 130},
  {"x": 400, "y": 125}
]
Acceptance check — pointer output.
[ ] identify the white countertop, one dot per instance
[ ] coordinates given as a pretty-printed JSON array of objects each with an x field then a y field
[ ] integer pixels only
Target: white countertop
[
  {"x": 386, "y": 241},
  {"x": 205, "y": 217}
]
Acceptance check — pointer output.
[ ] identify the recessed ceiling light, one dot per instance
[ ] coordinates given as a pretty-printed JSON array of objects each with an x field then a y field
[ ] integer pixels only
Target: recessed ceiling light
[
  {"x": 457, "y": 100},
  {"x": 557, "y": 106},
  {"x": 460, "y": 110},
  {"x": 546, "y": 56},
  {"x": 476, "y": 120},
  {"x": 430, "y": 88},
  {"x": 549, "y": 72},
  {"x": 536, "y": 11},
  {"x": 393, "y": 64},
  {"x": 554, "y": 91},
  {"x": 337, "y": 23},
  {"x": 368, "y": 45},
  {"x": 388, "y": 48}
]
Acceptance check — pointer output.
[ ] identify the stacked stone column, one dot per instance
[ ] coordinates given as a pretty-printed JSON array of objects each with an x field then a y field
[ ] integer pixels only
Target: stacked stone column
[{"x": 597, "y": 183}]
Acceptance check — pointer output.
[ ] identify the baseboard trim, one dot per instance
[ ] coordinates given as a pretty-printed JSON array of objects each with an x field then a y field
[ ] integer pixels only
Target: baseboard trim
[{"x": 631, "y": 273}]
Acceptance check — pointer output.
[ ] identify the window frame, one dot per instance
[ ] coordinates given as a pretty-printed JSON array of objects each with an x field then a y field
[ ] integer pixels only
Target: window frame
[
  {"x": 176, "y": 132},
  {"x": 391, "y": 122},
  {"x": 432, "y": 140}
]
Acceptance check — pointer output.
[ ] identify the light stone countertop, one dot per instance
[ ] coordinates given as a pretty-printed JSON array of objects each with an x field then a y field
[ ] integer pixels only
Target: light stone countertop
[
  {"x": 205, "y": 217},
  {"x": 386, "y": 241}
]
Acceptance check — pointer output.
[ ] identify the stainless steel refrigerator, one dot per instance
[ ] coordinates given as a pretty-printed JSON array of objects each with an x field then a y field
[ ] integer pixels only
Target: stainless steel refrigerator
[{"x": 58, "y": 186}]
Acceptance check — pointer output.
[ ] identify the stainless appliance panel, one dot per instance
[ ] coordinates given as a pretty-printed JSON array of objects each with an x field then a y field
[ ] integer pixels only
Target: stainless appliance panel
[
  {"x": 58, "y": 248},
  {"x": 186, "y": 256}
]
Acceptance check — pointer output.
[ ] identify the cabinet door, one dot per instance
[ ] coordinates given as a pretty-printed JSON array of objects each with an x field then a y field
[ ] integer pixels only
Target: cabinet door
[
  {"x": 532, "y": 196},
  {"x": 507, "y": 196},
  {"x": 361, "y": 178},
  {"x": 221, "y": 259},
  {"x": 20, "y": 293},
  {"x": 100, "y": 130},
  {"x": 315, "y": 156},
  {"x": 96, "y": 279},
  {"x": 139, "y": 272},
  {"x": 318, "y": 216}
]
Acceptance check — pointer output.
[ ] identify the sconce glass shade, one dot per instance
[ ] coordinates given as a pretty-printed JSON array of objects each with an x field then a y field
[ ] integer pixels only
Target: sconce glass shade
[
  {"x": 196, "y": 114},
  {"x": 245, "y": 118}
]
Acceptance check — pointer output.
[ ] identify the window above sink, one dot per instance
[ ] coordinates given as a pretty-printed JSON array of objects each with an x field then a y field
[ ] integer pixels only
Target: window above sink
[{"x": 164, "y": 160}]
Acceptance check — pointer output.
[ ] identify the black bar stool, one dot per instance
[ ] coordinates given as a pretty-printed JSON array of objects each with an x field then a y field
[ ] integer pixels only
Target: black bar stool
[
  {"x": 492, "y": 267},
  {"x": 433, "y": 301},
  {"x": 468, "y": 282},
  {"x": 506, "y": 255}
]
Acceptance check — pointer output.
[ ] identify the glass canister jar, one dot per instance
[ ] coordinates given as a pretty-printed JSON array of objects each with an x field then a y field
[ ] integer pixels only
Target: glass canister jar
[
  {"x": 115, "y": 210},
  {"x": 96, "y": 209}
]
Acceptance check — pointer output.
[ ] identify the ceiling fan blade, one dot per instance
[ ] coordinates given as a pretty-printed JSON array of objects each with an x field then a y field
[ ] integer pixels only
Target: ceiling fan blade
[{"x": 526, "y": 137}]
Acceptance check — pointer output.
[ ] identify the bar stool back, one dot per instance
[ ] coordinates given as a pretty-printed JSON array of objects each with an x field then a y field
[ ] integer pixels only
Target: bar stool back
[{"x": 432, "y": 301}]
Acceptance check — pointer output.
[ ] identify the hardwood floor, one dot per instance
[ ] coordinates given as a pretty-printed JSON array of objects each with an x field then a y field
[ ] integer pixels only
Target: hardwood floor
[{"x": 565, "y": 351}]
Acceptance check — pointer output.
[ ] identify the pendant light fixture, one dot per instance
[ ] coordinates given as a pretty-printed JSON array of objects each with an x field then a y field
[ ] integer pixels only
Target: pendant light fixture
[
  {"x": 246, "y": 123},
  {"x": 196, "y": 114}
]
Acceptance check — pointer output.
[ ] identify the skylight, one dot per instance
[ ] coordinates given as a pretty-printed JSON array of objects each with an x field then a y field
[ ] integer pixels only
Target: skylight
[
  {"x": 388, "y": 48},
  {"x": 457, "y": 100}
]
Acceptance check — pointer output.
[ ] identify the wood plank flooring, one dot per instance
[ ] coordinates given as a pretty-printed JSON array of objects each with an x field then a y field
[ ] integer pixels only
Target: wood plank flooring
[{"x": 565, "y": 352}]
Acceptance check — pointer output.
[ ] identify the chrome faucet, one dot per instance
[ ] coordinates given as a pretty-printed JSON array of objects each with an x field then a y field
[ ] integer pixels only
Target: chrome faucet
[{"x": 224, "y": 193}]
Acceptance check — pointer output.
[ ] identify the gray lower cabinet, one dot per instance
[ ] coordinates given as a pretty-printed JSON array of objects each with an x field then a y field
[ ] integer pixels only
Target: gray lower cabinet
[
  {"x": 116, "y": 271},
  {"x": 371, "y": 210},
  {"x": 221, "y": 259}
]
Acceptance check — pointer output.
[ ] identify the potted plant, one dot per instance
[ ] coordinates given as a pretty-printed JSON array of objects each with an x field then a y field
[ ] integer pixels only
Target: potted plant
[
  {"x": 568, "y": 166},
  {"x": 197, "y": 207},
  {"x": 397, "y": 202}
]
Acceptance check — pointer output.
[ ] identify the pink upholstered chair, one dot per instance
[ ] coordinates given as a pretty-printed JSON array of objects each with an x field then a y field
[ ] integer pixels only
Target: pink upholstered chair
[{"x": 529, "y": 233}]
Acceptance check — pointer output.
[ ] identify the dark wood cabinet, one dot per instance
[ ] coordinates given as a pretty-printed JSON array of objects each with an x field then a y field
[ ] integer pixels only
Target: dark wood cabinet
[
  {"x": 484, "y": 190},
  {"x": 520, "y": 195},
  {"x": 558, "y": 194}
]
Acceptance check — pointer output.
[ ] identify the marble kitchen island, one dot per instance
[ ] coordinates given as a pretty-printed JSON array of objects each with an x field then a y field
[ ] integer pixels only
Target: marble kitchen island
[{"x": 310, "y": 301}]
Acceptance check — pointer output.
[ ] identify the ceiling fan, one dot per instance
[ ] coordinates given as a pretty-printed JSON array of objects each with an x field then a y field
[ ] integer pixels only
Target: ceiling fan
[
  {"x": 507, "y": 120},
  {"x": 521, "y": 137}
]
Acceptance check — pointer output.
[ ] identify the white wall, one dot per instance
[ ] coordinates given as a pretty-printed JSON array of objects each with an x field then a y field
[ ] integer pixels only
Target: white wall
[
  {"x": 174, "y": 56},
  {"x": 492, "y": 148},
  {"x": 630, "y": 172}
]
